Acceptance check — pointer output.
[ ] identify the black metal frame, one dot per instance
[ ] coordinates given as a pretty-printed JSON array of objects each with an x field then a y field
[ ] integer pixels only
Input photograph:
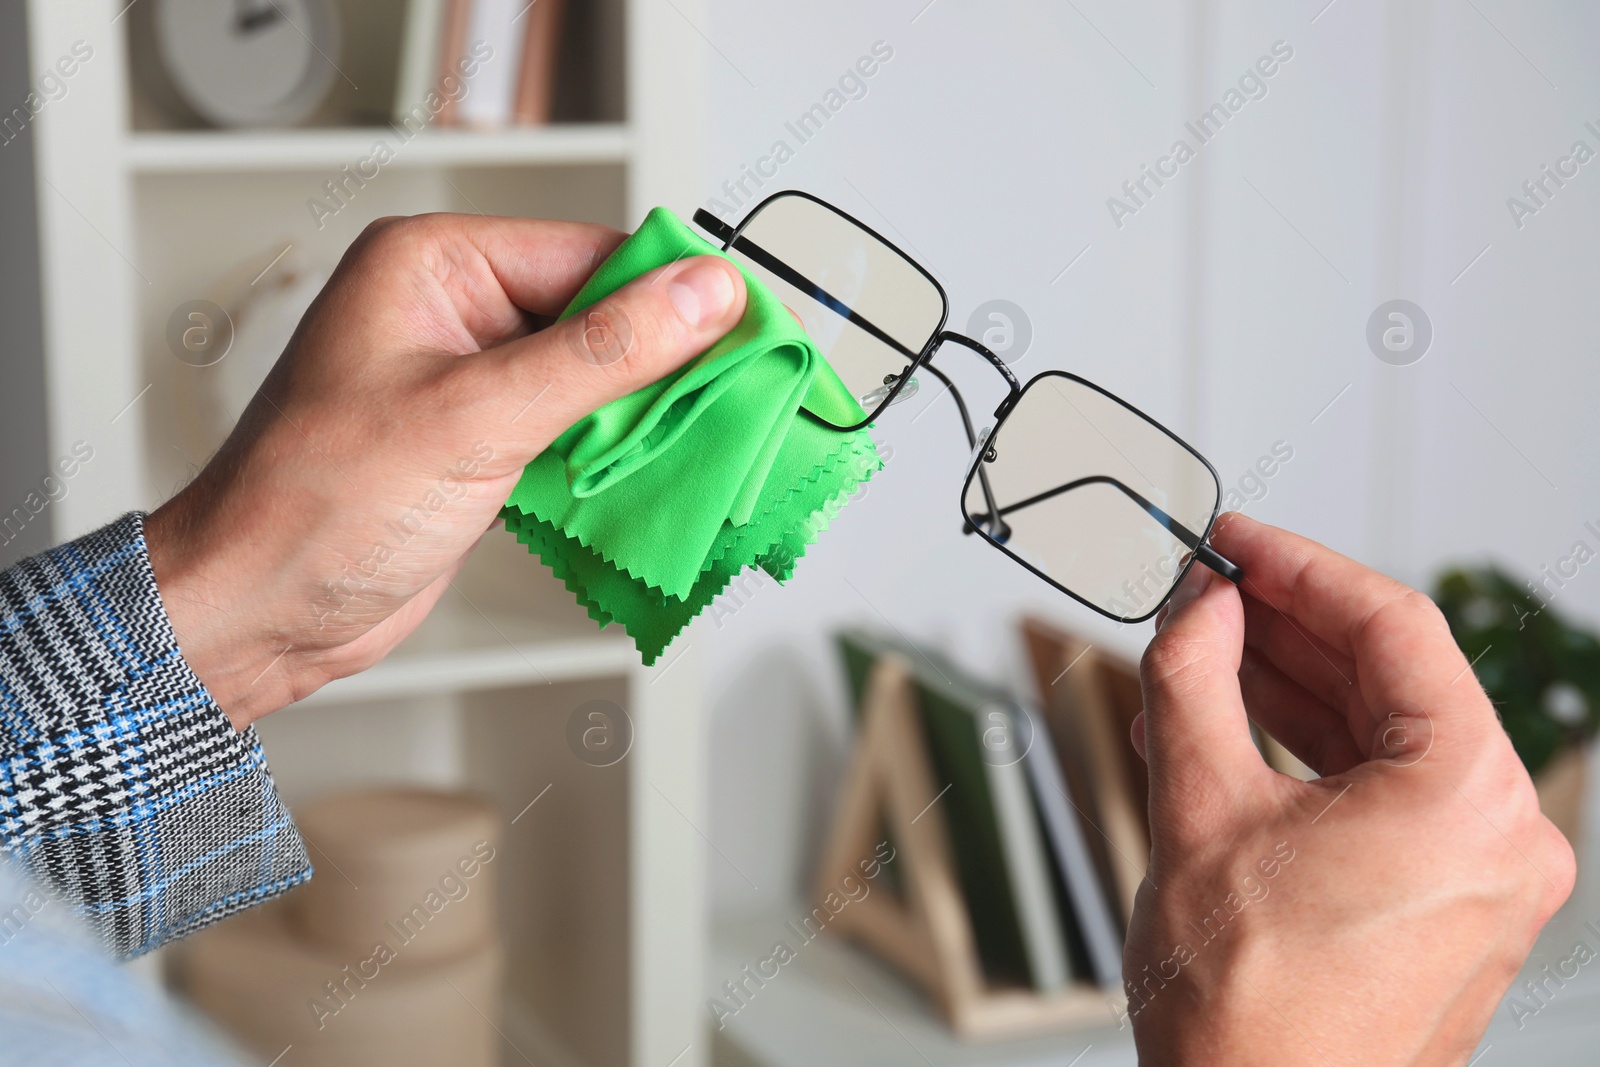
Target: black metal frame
[
  {"x": 992, "y": 526},
  {"x": 733, "y": 237},
  {"x": 1199, "y": 550}
]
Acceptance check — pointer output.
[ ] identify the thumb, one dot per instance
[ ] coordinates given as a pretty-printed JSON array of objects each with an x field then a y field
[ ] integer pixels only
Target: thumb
[
  {"x": 539, "y": 385},
  {"x": 1196, "y": 732}
]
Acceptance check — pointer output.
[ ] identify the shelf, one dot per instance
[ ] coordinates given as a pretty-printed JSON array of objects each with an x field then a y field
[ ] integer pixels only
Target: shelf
[
  {"x": 836, "y": 1004},
  {"x": 191, "y": 151},
  {"x": 457, "y": 649},
  {"x": 137, "y": 220}
]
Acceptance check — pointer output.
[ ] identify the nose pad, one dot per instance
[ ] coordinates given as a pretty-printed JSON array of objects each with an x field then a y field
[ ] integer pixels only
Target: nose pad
[
  {"x": 794, "y": 315},
  {"x": 872, "y": 399}
]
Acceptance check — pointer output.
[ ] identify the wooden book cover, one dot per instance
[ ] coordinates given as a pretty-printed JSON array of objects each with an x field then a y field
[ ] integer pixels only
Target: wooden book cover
[
  {"x": 1094, "y": 930},
  {"x": 541, "y": 52},
  {"x": 1089, "y": 701},
  {"x": 968, "y": 808},
  {"x": 494, "y": 31},
  {"x": 924, "y": 926},
  {"x": 421, "y": 47},
  {"x": 1279, "y": 758},
  {"x": 453, "y": 45}
]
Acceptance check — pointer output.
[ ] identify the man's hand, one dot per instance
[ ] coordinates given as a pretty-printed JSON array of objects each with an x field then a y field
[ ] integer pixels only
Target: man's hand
[
  {"x": 1372, "y": 917},
  {"x": 391, "y": 431}
]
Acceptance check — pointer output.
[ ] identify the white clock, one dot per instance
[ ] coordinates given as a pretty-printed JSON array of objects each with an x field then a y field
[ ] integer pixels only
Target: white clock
[{"x": 239, "y": 62}]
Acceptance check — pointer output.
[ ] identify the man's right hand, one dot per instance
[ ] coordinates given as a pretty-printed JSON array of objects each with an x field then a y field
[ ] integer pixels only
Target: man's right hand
[
  {"x": 1375, "y": 916},
  {"x": 387, "y": 438}
]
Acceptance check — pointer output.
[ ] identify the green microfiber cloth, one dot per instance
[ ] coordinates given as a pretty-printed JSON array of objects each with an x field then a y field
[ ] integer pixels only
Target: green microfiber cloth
[{"x": 648, "y": 507}]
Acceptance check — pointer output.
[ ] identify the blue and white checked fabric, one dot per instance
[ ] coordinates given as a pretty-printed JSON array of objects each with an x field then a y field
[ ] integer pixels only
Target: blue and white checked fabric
[{"x": 124, "y": 788}]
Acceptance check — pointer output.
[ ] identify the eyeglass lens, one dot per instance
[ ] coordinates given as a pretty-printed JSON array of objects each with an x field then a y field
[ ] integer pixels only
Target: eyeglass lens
[
  {"x": 1094, "y": 496},
  {"x": 869, "y": 310}
]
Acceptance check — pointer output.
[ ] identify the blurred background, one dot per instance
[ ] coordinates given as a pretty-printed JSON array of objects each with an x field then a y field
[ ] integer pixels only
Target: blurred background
[{"x": 175, "y": 184}]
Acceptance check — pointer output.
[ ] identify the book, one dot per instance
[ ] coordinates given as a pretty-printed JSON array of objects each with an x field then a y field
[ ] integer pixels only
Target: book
[
  {"x": 1097, "y": 928},
  {"x": 1279, "y": 758},
  {"x": 1026, "y": 860},
  {"x": 453, "y": 43},
  {"x": 541, "y": 51},
  {"x": 421, "y": 45},
  {"x": 995, "y": 834},
  {"x": 487, "y": 104},
  {"x": 362, "y": 91},
  {"x": 1088, "y": 701}
]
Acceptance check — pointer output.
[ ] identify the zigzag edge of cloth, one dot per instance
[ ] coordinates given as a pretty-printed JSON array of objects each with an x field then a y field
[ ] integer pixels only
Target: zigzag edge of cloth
[
  {"x": 648, "y": 507},
  {"x": 653, "y": 618}
]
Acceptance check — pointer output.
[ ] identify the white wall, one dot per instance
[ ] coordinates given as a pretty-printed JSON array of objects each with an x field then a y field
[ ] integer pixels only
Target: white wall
[
  {"x": 1233, "y": 306},
  {"x": 987, "y": 146},
  {"x": 1522, "y": 324}
]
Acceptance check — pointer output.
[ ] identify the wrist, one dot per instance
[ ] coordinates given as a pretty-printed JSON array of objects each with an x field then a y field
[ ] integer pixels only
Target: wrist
[
  {"x": 1200, "y": 1003},
  {"x": 219, "y": 612}
]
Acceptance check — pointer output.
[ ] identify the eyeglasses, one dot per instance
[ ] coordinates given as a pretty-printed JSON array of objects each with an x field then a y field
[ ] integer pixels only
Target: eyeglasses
[{"x": 1077, "y": 485}]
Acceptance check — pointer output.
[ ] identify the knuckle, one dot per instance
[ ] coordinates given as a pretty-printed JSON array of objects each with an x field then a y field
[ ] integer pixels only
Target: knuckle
[
  {"x": 1420, "y": 606},
  {"x": 1168, "y": 660},
  {"x": 603, "y": 335},
  {"x": 399, "y": 234},
  {"x": 627, "y": 333},
  {"x": 1561, "y": 868},
  {"x": 1542, "y": 855},
  {"x": 381, "y": 230},
  {"x": 378, "y": 225},
  {"x": 1562, "y": 860},
  {"x": 1405, "y": 616}
]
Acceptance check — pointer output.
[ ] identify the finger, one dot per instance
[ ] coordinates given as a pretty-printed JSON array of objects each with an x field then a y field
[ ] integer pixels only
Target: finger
[
  {"x": 1324, "y": 671},
  {"x": 498, "y": 272},
  {"x": 1315, "y": 733},
  {"x": 1326, "y": 594},
  {"x": 1196, "y": 733},
  {"x": 540, "y": 263},
  {"x": 534, "y": 388},
  {"x": 1407, "y": 659}
]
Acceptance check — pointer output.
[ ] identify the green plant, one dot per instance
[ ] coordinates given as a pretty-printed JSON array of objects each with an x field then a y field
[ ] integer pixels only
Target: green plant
[{"x": 1541, "y": 672}]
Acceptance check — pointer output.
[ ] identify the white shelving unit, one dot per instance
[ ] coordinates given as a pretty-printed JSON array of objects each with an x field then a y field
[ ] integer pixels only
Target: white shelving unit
[
  {"x": 192, "y": 152},
  {"x": 838, "y": 1004},
  {"x": 116, "y": 226},
  {"x": 458, "y": 650}
]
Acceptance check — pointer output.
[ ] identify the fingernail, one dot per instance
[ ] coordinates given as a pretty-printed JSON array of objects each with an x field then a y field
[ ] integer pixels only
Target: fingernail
[
  {"x": 1194, "y": 583},
  {"x": 702, "y": 292}
]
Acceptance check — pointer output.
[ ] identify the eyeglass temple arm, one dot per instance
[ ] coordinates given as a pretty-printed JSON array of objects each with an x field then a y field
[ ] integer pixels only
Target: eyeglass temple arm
[
  {"x": 1219, "y": 563},
  {"x": 713, "y": 225},
  {"x": 1203, "y": 552}
]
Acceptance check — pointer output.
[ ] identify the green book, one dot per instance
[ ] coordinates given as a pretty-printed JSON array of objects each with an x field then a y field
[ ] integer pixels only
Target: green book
[{"x": 995, "y": 837}]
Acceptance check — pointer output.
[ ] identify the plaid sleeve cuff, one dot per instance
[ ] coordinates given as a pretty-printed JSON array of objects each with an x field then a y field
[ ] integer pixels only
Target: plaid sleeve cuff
[{"x": 124, "y": 788}]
